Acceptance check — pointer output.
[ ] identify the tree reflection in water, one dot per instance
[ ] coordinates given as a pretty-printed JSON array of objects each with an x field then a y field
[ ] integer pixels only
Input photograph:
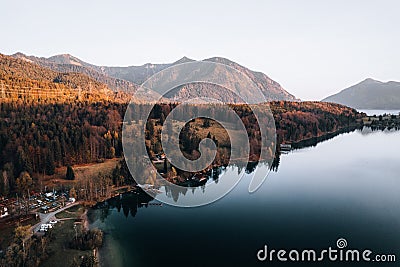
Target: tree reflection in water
[{"x": 128, "y": 203}]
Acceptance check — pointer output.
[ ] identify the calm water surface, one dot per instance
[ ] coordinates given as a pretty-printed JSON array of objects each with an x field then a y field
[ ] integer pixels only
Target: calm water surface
[{"x": 346, "y": 187}]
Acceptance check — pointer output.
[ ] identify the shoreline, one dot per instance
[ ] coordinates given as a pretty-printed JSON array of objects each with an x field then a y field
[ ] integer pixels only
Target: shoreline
[
  {"x": 86, "y": 226},
  {"x": 297, "y": 145},
  {"x": 319, "y": 138},
  {"x": 125, "y": 189}
]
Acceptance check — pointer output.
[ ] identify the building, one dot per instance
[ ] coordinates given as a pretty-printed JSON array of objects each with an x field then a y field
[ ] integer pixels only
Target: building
[{"x": 3, "y": 211}]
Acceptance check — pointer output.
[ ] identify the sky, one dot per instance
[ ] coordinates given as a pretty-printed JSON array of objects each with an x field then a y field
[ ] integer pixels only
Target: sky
[{"x": 312, "y": 48}]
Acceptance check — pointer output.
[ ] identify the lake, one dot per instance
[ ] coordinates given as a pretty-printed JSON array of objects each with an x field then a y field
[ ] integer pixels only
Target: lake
[{"x": 346, "y": 187}]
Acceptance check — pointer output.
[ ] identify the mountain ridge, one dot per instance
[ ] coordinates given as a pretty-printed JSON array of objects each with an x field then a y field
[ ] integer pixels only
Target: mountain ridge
[
  {"x": 21, "y": 78},
  {"x": 67, "y": 63},
  {"x": 129, "y": 78},
  {"x": 369, "y": 94}
]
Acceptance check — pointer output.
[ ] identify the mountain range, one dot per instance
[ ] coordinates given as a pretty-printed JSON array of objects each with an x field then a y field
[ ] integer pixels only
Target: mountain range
[
  {"x": 62, "y": 72},
  {"x": 369, "y": 94},
  {"x": 128, "y": 79},
  {"x": 18, "y": 75},
  {"x": 69, "y": 64}
]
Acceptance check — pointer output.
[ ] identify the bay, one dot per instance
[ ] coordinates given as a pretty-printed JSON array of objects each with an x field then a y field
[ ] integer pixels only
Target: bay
[{"x": 346, "y": 187}]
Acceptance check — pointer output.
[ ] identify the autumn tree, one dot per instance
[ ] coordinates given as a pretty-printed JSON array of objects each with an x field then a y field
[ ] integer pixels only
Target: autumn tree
[
  {"x": 22, "y": 233},
  {"x": 72, "y": 193},
  {"x": 24, "y": 183}
]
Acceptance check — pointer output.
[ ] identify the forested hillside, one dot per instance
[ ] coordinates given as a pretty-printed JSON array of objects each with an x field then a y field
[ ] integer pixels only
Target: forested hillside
[
  {"x": 299, "y": 120},
  {"x": 51, "y": 119},
  {"x": 39, "y": 137},
  {"x": 68, "y": 64},
  {"x": 20, "y": 79}
]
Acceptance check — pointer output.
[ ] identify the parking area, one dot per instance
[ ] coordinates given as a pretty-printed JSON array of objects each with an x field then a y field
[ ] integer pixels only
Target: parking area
[{"x": 36, "y": 203}]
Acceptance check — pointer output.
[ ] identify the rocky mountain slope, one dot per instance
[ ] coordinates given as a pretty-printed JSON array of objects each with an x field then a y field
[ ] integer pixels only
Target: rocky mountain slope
[
  {"x": 69, "y": 64},
  {"x": 369, "y": 94},
  {"x": 21, "y": 78},
  {"x": 128, "y": 78}
]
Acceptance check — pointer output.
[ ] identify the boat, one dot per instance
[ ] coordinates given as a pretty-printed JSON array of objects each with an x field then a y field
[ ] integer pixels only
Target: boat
[
  {"x": 149, "y": 188},
  {"x": 202, "y": 180},
  {"x": 286, "y": 147}
]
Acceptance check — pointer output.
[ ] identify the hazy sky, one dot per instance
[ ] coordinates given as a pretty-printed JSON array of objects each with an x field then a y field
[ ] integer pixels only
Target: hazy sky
[{"x": 312, "y": 48}]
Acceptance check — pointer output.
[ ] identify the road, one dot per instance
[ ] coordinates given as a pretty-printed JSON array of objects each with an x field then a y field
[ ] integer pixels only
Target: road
[{"x": 46, "y": 217}]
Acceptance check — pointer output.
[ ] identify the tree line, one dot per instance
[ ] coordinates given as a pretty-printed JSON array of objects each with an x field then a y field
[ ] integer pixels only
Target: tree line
[{"x": 36, "y": 138}]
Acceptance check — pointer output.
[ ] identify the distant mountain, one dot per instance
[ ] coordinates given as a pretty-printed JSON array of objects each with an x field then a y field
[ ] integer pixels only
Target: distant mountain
[
  {"x": 21, "y": 77},
  {"x": 271, "y": 89},
  {"x": 67, "y": 63},
  {"x": 128, "y": 78},
  {"x": 369, "y": 94},
  {"x": 138, "y": 74}
]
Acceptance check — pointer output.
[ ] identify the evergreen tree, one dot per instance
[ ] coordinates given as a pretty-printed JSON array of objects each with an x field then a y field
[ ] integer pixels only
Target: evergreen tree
[
  {"x": 165, "y": 165},
  {"x": 206, "y": 123},
  {"x": 2, "y": 185},
  {"x": 50, "y": 167},
  {"x": 23, "y": 162},
  {"x": 70, "y": 175},
  {"x": 57, "y": 151}
]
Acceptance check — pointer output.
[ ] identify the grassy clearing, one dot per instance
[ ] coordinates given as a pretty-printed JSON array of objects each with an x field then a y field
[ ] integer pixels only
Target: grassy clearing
[
  {"x": 73, "y": 212},
  {"x": 215, "y": 129},
  {"x": 82, "y": 172},
  {"x": 63, "y": 215},
  {"x": 91, "y": 170},
  {"x": 77, "y": 208}
]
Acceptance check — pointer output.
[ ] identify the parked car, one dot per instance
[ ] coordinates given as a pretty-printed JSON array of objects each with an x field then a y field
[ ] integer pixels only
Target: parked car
[{"x": 45, "y": 227}]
